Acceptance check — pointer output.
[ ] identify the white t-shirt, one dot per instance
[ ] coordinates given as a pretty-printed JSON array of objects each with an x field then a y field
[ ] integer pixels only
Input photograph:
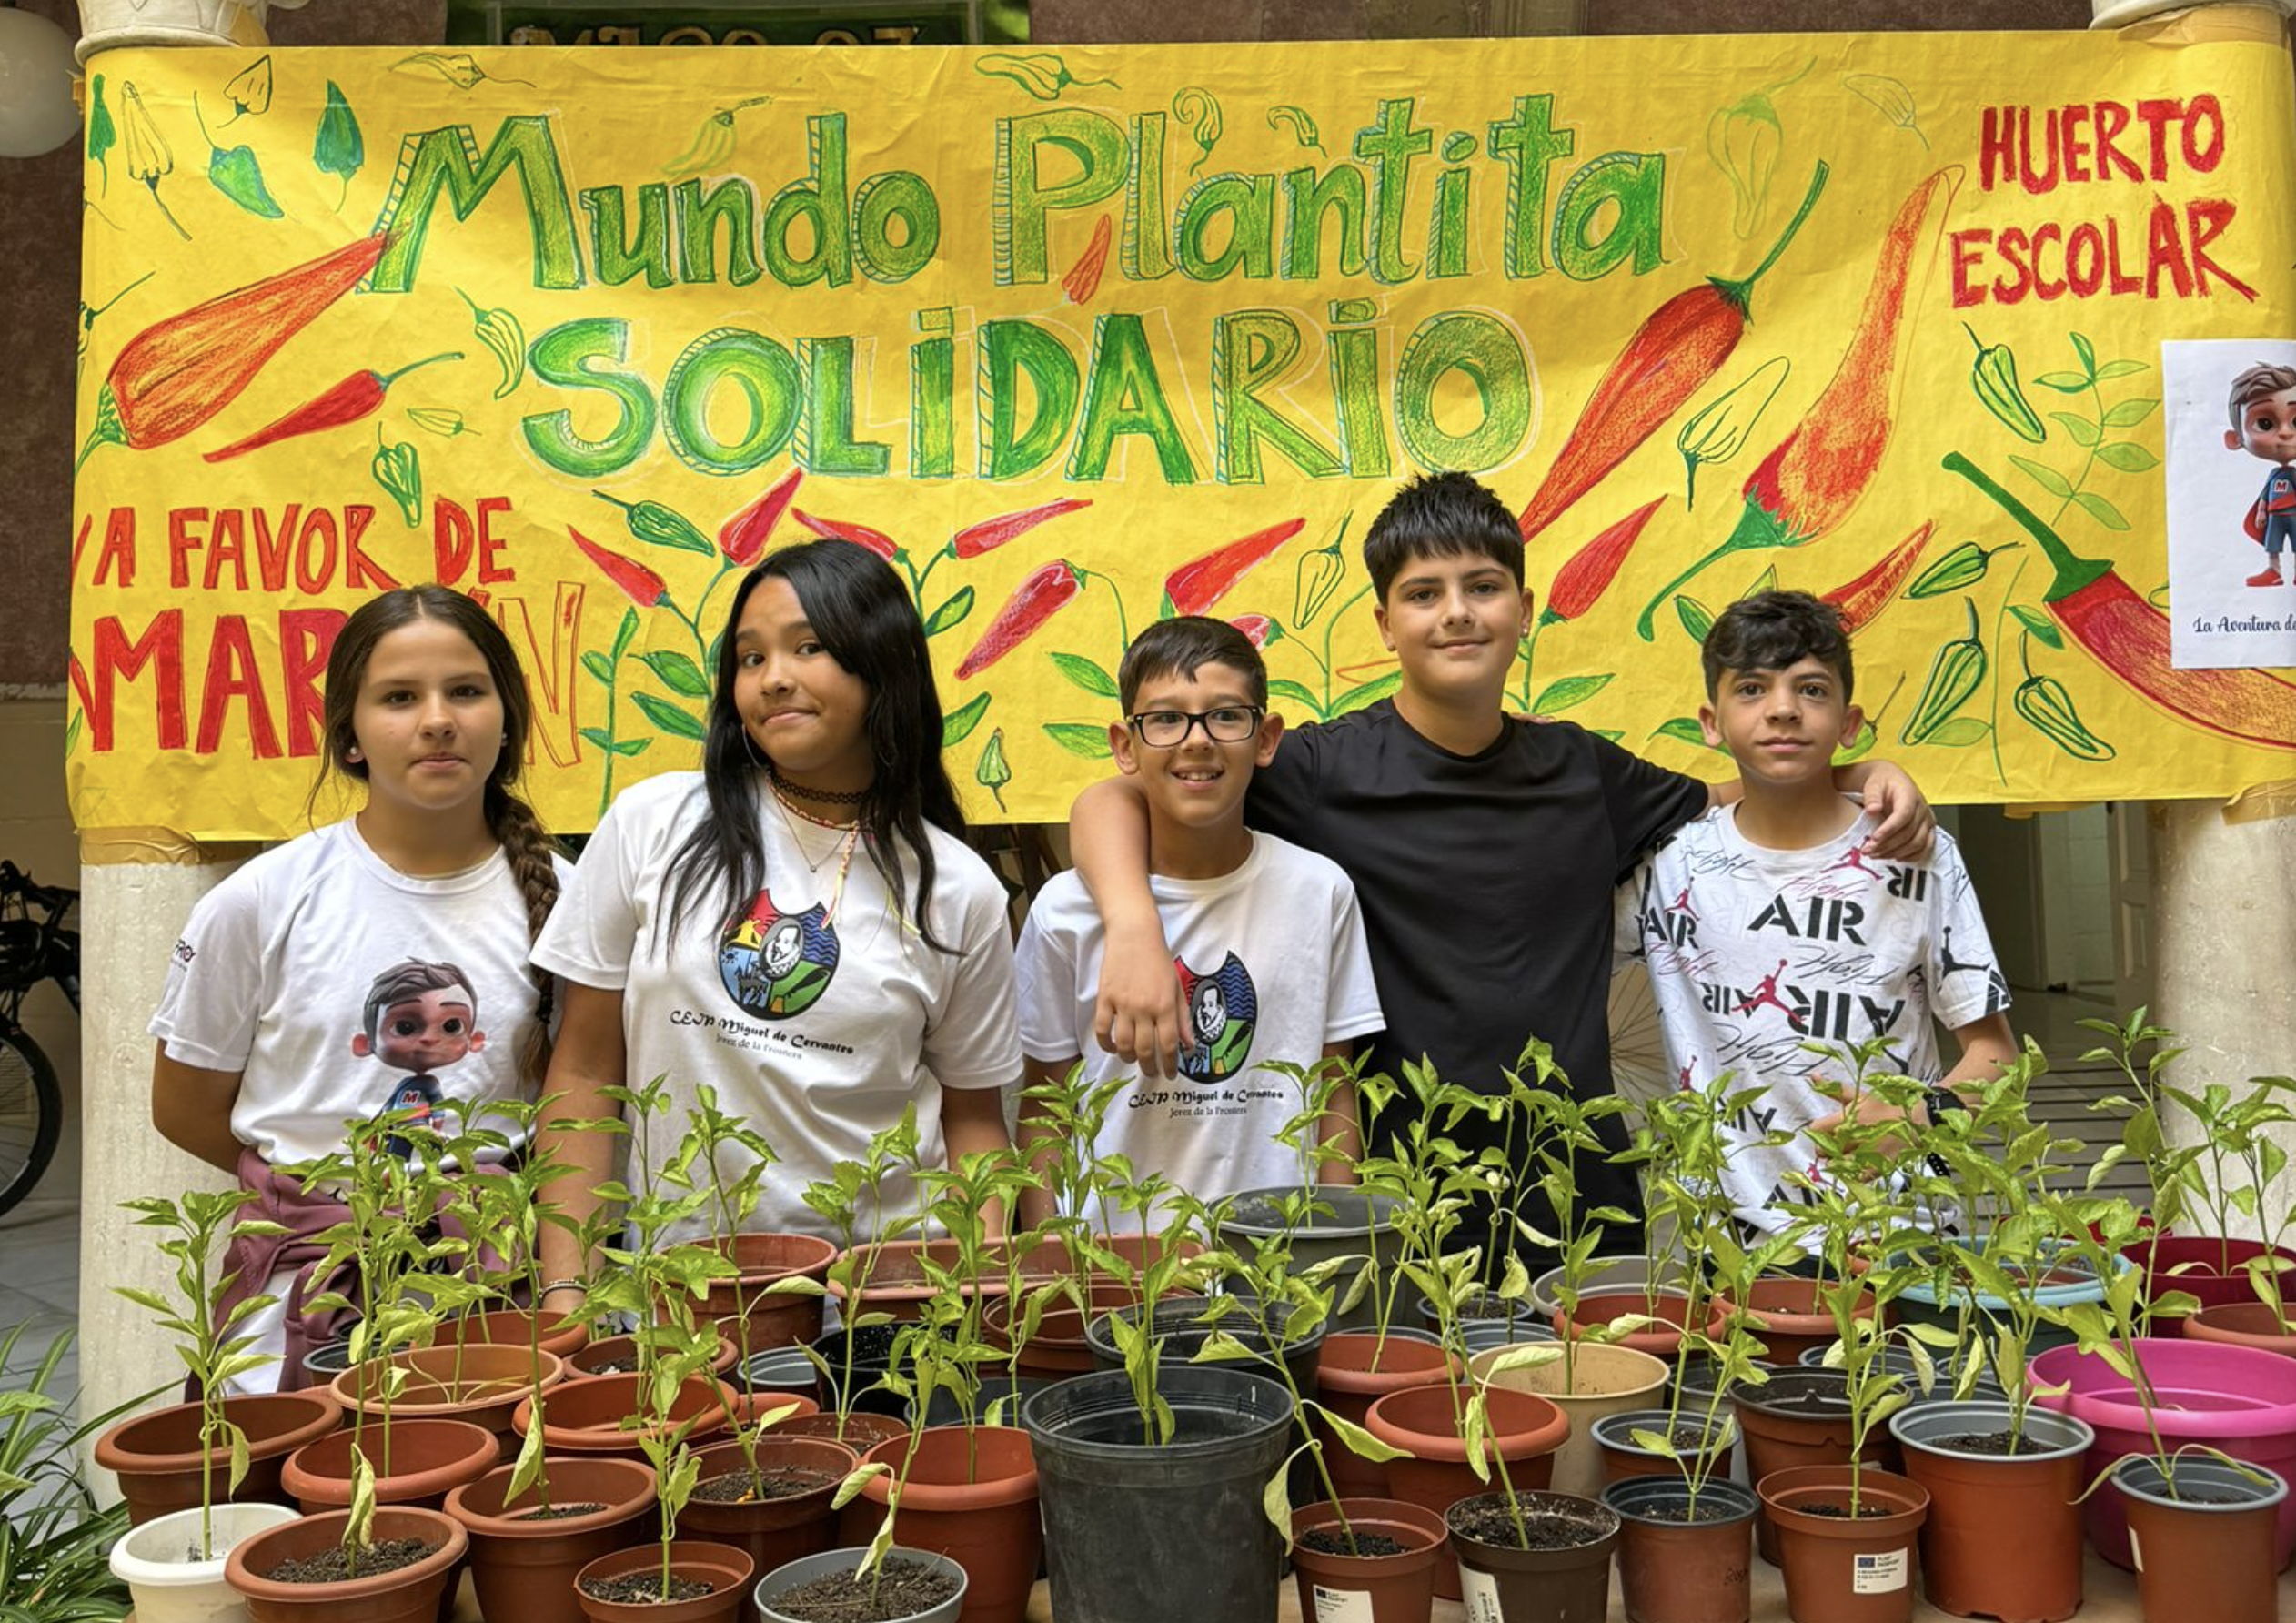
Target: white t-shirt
[
  {"x": 1273, "y": 959},
  {"x": 339, "y": 988},
  {"x": 1754, "y": 952},
  {"x": 818, "y": 1019}
]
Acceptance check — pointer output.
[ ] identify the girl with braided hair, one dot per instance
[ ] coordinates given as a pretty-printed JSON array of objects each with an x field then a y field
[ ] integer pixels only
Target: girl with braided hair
[{"x": 375, "y": 963}]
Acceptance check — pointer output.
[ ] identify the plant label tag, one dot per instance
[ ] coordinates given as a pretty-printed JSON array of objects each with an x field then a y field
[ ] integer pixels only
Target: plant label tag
[
  {"x": 1479, "y": 1594},
  {"x": 1879, "y": 1573},
  {"x": 2136, "y": 1551},
  {"x": 1341, "y": 1606}
]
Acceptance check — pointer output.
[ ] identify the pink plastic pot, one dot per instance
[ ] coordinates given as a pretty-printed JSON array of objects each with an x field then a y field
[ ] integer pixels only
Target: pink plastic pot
[{"x": 2234, "y": 1398}]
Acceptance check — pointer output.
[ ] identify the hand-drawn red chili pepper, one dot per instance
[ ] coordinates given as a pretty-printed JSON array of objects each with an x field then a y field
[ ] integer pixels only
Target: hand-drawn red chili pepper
[
  {"x": 1861, "y": 599},
  {"x": 357, "y": 395},
  {"x": 2129, "y": 638},
  {"x": 1035, "y": 600},
  {"x": 1083, "y": 280},
  {"x": 177, "y": 373},
  {"x": 1588, "y": 573},
  {"x": 1259, "y": 628},
  {"x": 742, "y": 538},
  {"x": 1669, "y": 358},
  {"x": 638, "y": 583},
  {"x": 1817, "y": 475},
  {"x": 839, "y": 529},
  {"x": 1196, "y": 585},
  {"x": 990, "y": 534}
]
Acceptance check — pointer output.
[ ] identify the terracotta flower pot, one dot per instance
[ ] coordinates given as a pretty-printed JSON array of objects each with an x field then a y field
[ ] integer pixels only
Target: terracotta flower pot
[
  {"x": 1525, "y": 1432},
  {"x": 479, "y": 1383},
  {"x": 1798, "y": 1417},
  {"x": 1842, "y": 1569},
  {"x": 1354, "y": 1370},
  {"x": 2002, "y": 1538},
  {"x": 1058, "y": 1349},
  {"x": 1622, "y": 1457},
  {"x": 725, "y": 1570},
  {"x": 970, "y": 1496},
  {"x": 1663, "y": 1342},
  {"x": 410, "y": 1594},
  {"x": 861, "y": 1431},
  {"x": 1563, "y": 1578},
  {"x": 416, "y": 1462},
  {"x": 897, "y": 1283},
  {"x": 2207, "y": 1551},
  {"x": 1595, "y": 1380},
  {"x": 2244, "y": 1323},
  {"x": 748, "y": 1310},
  {"x": 779, "y": 1528},
  {"x": 1789, "y": 1316},
  {"x": 617, "y": 1354},
  {"x": 585, "y": 1417},
  {"x": 1674, "y": 1569},
  {"x": 513, "y": 1327},
  {"x": 1396, "y": 1588},
  {"x": 523, "y": 1569},
  {"x": 156, "y": 1457}
]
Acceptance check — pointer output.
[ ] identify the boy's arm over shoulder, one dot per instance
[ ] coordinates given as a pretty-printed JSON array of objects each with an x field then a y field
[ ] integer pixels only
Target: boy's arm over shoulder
[{"x": 1645, "y": 802}]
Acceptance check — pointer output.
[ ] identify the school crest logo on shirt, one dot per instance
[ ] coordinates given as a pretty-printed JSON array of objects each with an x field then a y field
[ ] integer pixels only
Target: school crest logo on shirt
[
  {"x": 777, "y": 964},
  {"x": 1223, "y": 1008}
]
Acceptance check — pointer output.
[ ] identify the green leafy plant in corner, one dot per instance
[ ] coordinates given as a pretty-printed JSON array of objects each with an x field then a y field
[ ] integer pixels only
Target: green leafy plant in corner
[
  {"x": 54, "y": 1544},
  {"x": 195, "y": 1228}
]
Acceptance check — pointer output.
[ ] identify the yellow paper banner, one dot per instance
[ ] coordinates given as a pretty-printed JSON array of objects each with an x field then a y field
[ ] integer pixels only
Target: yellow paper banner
[{"x": 1080, "y": 337}]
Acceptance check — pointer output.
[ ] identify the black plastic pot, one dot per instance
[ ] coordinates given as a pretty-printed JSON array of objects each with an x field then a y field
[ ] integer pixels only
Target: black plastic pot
[
  {"x": 872, "y": 1355},
  {"x": 1179, "y": 1324},
  {"x": 780, "y": 1369},
  {"x": 1357, "y": 1225},
  {"x": 1160, "y": 1533},
  {"x": 943, "y": 1409}
]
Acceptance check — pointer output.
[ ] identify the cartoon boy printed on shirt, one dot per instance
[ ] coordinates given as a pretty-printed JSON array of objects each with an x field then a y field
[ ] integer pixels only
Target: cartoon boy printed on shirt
[
  {"x": 2263, "y": 412},
  {"x": 420, "y": 1018}
]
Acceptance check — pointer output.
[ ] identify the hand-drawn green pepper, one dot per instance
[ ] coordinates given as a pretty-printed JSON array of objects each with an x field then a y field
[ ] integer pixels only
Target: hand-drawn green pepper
[
  {"x": 1315, "y": 577},
  {"x": 992, "y": 771},
  {"x": 1993, "y": 375},
  {"x": 338, "y": 149},
  {"x": 235, "y": 172},
  {"x": 659, "y": 525},
  {"x": 397, "y": 468},
  {"x": 499, "y": 331},
  {"x": 103, "y": 134},
  {"x": 2043, "y": 702},
  {"x": 1957, "y": 672},
  {"x": 1040, "y": 72},
  {"x": 1744, "y": 140},
  {"x": 1958, "y": 569}
]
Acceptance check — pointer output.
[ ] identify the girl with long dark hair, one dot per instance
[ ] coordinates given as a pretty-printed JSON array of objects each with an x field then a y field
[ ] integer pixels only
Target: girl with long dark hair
[
  {"x": 373, "y": 964},
  {"x": 799, "y": 923}
]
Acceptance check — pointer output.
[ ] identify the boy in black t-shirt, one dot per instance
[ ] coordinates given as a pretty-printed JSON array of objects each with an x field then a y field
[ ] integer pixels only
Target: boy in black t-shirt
[{"x": 1483, "y": 850}]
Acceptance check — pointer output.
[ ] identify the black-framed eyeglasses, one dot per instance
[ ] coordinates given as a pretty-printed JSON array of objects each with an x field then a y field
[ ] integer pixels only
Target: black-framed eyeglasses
[{"x": 1167, "y": 730}]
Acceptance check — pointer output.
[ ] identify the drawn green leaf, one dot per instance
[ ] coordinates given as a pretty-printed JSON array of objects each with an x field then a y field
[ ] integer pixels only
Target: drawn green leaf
[
  {"x": 2099, "y": 509},
  {"x": 1858, "y": 747},
  {"x": 2125, "y": 414},
  {"x": 599, "y": 666},
  {"x": 2046, "y": 476},
  {"x": 1683, "y": 730},
  {"x": 2120, "y": 369},
  {"x": 2064, "y": 383},
  {"x": 1695, "y": 616},
  {"x": 72, "y": 732},
  {"x": 2040, "y": 624},
  {"x": 1078, "y": 739},
  {"x": 631, "y": 746},
  {"x": 958, "y": 724},
  {"x": 679, "y": 673},
  {"x": 2088, "y": 352},
  {"x": 1959, "y": 733},
  {"x": 952, "y": 612},
  {"x": 599, "y": 736},
  {"x": 1371, "y": 692},
  {"x": 667, "y": 716},
  {"x": 1284, "y": 688},
  {"x": 2128, "y": 457},
  {"x": 338, "y": 149},
  {"x": 623, "y": 633},
  {"x": 1562, "y": 694},
  {"x": 2083, "y": 432},
  {"x": 1085, "y": 674}
]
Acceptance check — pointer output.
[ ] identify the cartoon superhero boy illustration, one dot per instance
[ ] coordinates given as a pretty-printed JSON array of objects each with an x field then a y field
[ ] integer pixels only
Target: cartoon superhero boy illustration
[
  {"x": 2263, "y": 411},
  {"x": 420, "y": 1018}
]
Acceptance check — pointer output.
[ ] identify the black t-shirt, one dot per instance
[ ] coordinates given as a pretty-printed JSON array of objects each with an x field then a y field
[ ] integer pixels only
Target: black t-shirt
[{"x": 1486, "y": 880}]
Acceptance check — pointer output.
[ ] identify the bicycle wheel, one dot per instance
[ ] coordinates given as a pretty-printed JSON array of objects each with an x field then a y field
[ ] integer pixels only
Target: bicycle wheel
[{"x": 31, "y": 1115}]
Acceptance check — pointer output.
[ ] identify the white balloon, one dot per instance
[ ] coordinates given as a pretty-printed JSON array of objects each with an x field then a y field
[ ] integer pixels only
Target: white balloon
[{"x": 37, "y": 113}]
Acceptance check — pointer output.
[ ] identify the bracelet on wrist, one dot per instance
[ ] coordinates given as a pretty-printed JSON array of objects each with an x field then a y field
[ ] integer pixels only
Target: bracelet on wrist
[
  {"x": 551, "y": 1285},
  {"x": 1938, "y": 1101}
]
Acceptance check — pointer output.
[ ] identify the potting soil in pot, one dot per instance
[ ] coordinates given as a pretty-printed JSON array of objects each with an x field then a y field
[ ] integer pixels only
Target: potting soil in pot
[
  {"x": 746, "y": 1486},
  {"x": 644, "y": 1588},
  {"x": 542, "y": 1513},
  {"x": 903, "y": 1589},
  {"x": 1547, "y": 1525},
  {"x": 1331, "y": 1541},
  {"x": 333, "y": 1566}
]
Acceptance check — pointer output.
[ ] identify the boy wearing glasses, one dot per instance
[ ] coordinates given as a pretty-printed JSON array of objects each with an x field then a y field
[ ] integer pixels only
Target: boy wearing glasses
[{"x": 1264, "y": 937}]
